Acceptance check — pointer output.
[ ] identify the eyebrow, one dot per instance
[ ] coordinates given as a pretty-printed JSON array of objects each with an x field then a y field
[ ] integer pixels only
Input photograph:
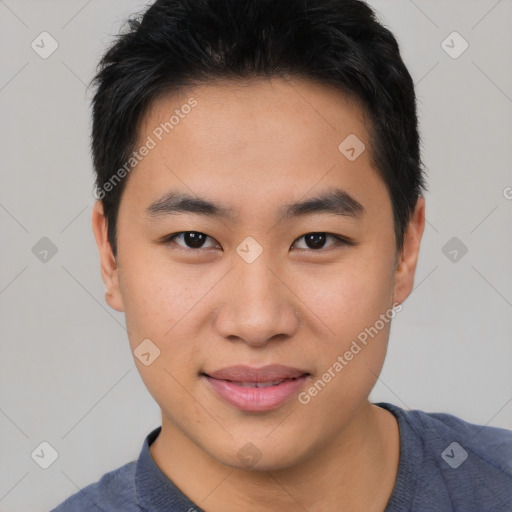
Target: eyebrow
[{"x": 334, "y": 201}]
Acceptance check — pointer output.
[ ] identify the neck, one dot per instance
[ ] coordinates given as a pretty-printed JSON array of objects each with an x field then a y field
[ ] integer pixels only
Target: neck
[{"x": 357, "y": 469}]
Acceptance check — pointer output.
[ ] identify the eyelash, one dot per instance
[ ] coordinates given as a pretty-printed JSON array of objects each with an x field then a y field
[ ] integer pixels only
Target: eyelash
[{"x": 340, "y": 241}]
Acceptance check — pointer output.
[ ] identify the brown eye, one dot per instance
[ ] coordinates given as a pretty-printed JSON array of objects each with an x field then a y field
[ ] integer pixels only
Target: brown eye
[
  {"x": 190, "y": 239},
  {"x": 317, "y": 241}
]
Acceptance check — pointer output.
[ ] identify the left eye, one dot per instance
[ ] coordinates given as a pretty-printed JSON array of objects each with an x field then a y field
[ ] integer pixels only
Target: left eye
[
  {"x": 196, "y": 240},
  {"x": 317, "y": 241}
]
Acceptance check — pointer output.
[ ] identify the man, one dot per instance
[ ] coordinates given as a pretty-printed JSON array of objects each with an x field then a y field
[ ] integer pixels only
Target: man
[{"x": 259, "y": 219}]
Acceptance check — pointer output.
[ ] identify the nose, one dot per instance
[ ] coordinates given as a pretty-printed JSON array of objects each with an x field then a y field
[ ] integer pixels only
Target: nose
[{"x": 257, "y": 304}]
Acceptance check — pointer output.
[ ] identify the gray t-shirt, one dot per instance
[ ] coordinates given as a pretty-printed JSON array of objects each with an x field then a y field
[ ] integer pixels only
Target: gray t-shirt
[{"x": 446, "y": 464}]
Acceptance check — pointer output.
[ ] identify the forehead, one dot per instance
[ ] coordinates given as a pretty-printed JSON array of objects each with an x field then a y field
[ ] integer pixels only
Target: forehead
[
  {"x": 254, "y": 140},
  {"x": 259, "y": 114}
]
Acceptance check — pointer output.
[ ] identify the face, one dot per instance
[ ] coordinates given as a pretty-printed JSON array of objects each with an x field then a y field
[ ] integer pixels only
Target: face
[{"x": 252, "y": 278}]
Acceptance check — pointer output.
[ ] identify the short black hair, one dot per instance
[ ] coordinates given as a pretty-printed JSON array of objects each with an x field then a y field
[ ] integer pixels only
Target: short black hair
[{"x": 175, "y": 44}]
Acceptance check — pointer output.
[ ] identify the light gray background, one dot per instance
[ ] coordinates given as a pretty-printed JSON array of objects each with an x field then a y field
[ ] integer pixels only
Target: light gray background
[{"x": 66, "y": 372}]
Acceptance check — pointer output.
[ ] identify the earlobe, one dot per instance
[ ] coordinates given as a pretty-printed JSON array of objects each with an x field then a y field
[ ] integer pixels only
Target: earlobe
[
  {"x": 408, "y": 258},
  {"x": 108, "y": 263}
]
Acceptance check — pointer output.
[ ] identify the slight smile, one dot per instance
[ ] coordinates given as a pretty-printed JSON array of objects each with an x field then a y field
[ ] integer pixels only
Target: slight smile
[{"x": 253, "y": 389}]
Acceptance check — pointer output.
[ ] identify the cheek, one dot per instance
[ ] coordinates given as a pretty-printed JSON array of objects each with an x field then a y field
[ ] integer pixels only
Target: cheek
[
  {"x": 354, "y": 304},
  {"x": 159, "y": 297},
  {"x": 166, "y": 303},
  {"x": 159, "y": 306},
  {"x": 347, "y": 297}
]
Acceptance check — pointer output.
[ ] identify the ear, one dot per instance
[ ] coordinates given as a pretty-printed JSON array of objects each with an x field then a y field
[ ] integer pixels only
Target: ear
[
  {"x": 408, "y": 258},
  {"x": 109, "y": 268}
]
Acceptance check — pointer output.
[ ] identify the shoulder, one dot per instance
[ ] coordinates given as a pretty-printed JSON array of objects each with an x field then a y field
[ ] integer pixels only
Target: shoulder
[
  {"x": 447, "y": 463},
  {"x": 488, "y": 446},
  {"x": 115, "y": 491}
]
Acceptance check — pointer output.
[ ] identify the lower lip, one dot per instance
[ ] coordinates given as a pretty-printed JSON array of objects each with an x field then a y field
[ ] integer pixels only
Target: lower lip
[{"x": 256, "y": 399}]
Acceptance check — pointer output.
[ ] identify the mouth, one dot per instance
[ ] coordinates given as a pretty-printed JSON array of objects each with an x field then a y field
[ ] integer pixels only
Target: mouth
[
  {"x": 252, "y": 389},
  {"x": 259, "y": 384}
]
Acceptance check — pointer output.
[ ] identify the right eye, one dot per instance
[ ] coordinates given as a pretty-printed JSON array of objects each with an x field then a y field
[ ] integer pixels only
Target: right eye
[{"x": 189, "y": 239}]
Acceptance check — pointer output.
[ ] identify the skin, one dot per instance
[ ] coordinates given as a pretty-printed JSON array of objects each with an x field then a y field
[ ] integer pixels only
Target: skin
[{"x": 255, "y": 147}]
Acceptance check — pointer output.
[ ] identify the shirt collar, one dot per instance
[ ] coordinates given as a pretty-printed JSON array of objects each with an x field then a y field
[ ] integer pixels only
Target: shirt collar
[{"x": 155, "y": 492}]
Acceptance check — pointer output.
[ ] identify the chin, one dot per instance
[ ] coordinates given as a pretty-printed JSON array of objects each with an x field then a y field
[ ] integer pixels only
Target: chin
[{"x": 259, "y": 456}]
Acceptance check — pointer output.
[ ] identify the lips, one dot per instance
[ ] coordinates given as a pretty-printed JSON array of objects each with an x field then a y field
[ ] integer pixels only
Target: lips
[
  {"x": 256, "y": 389},
  {"x": 250, "y": 375}
]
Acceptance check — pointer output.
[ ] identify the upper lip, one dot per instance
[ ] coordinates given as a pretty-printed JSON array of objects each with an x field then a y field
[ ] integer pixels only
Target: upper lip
[{"x": 268, "y": 373}]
